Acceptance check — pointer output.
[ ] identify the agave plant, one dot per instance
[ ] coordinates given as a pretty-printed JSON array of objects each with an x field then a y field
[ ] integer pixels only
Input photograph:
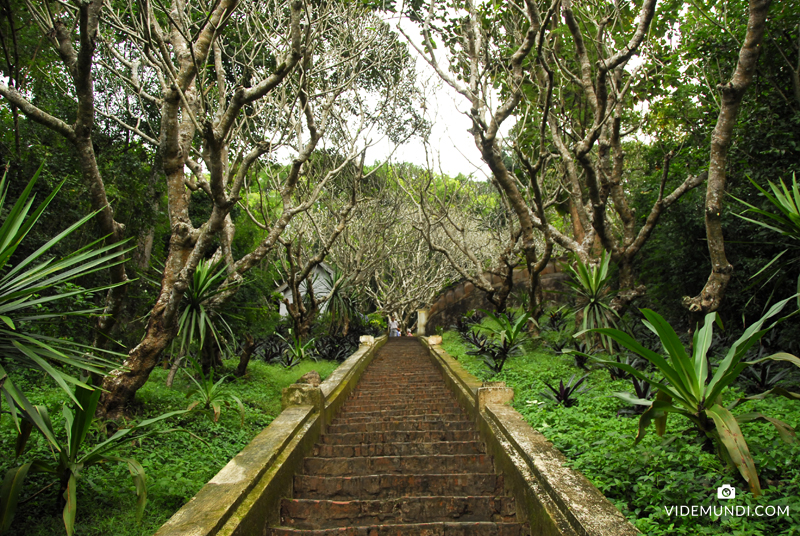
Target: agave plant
[
  {"x": 688, "y": 389},
  {"x": 74, "y": 455},
  {"x": 566, "y": 395},
  {"x": 28, "y": 291},
  {"x": 590, "y": 283}
]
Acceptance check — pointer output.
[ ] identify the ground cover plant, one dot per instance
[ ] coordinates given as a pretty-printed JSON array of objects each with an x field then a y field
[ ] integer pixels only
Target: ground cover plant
[
  {"x": 176, "y": 465},
  {"x": 642, "y": 480}
]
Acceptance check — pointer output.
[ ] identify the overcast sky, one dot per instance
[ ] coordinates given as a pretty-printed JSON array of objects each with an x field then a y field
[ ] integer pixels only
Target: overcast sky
[{"x": 449, "y": 137}]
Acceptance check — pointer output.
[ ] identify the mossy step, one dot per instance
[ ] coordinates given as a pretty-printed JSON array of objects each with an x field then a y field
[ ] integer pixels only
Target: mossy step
[
  {"x": 415, "y": 464},
  {"x": 418, "y": 529},
  {"x": 391, "y": 486},
  {"x": 316, "y": 514}
]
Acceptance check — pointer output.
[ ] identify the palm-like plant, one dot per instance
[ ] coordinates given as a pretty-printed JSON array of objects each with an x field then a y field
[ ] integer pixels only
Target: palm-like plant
[
  {"x": 296, "y": 350},
  {"x": 212, "y": 395},
  {"x": 340, "y": 305},
  {"x": 689, "y": 390},
  {"x": 507, "y": 335},
  {"x": 590, "y": 283},
  {"x": 27, "y": 291},
  {"x": 73, "y": 454},
  {"x": 197, "y": 322},
  {"x": 786, "y": 222}
]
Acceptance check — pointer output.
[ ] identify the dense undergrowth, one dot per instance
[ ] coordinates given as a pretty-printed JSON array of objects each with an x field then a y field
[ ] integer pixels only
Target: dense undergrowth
[
  {"x": 659, "y": 472},
  {"x": 177, "y": 464}
]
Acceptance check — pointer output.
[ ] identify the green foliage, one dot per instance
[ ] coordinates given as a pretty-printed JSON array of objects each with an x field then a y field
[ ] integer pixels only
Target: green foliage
[
  {"x": 210, "y": 395},
  {"x": 590, "y": 284},
  {"x": 27, "y": 291},
  {"x": 691, "y": 389},
  {"x": 74, "y": 455},
  {"x": 295, "y": 351},
  {"x": 507, "y": 333},
  {"x": 177, "y": 465},
  {"x": 785, "y": 222},
  {"x": 675, "y": 470},
  {"x": 196, "y": 321}
]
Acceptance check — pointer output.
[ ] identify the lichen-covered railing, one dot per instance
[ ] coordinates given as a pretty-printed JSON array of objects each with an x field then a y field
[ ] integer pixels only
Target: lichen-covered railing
[
  {"x": 243, "y": 497},
  {"x": 555, "y": 499}
]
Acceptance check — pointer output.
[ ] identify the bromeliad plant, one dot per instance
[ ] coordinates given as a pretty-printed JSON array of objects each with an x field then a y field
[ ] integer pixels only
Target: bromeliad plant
[
  {"x": 689, "y": 390},
  {"x": 507, "y": 335},
  {"x": 590, "y": 283},
  {"x": 73, "y": 455},
  {"x": 566, "y": 395}
]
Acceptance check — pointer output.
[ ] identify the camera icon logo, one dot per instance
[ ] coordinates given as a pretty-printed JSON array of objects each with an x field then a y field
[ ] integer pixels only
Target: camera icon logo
[{"x": 726, "y": 491}]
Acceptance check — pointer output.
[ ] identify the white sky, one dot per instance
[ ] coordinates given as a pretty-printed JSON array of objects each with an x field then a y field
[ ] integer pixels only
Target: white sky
[{"x": 449, "y": 137}]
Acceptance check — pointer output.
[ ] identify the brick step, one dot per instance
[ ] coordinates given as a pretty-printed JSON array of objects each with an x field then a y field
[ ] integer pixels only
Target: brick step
[
  {"x": 385, "y": 381},
  {"x": 391, "y": 486},
  {"x": 379, "y": 417},
  {"x": 400, "y": 397},
  {"x": 315, "y": 514},
  {"x": 381, "y": 465},
  {"x": 399, "y": 424},
  {"x": 417, "y": 529},
  {"x": 404, "y": 391},
  {"x": 400, "y": 436},
  {"x": 377, "y": 405},
  {"x": 424, "y": 409},
  {"x": 400, "y": 449}
]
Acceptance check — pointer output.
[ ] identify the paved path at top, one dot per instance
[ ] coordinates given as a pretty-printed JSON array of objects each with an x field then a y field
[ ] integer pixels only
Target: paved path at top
[{"x": 401, "y": 458}]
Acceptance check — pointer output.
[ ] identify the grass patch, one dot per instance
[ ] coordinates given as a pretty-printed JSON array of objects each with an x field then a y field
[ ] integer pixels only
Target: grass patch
[
  {"x": 659, "y": 472},
  {"x": 177, "y": 465}
]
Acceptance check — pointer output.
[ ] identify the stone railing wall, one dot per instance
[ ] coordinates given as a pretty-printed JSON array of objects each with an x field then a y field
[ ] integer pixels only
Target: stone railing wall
[
  {"x": 243, "y": 498},
  {"x": 462, "y": 297},
  {"x": 553, "y": 498}
]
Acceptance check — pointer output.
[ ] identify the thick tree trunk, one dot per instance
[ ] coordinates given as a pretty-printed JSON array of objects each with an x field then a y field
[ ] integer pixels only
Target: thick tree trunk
[{"x": 713, "y": 292}]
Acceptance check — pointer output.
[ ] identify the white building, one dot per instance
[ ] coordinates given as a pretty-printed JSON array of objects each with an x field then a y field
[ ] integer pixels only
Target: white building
[{"x": 322, "y": 279}]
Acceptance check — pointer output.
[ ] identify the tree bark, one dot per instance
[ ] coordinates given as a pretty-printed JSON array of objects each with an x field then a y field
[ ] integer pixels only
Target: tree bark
[
  {"x": 247, "y": 353},
  {"x": 713, "y": 292}
]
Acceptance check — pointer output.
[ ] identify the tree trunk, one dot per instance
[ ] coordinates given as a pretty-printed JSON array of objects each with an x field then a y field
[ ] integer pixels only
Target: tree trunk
[
  {"x": 247, "y": 352},
  {"x": 173, "y": 370},
  {"x": 713, "y": 292}
]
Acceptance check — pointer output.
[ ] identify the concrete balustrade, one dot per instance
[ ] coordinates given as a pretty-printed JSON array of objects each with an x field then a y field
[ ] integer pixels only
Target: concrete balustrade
[
  {"x": 243, "y": 497},
  {"x": 553, "y": 498}
]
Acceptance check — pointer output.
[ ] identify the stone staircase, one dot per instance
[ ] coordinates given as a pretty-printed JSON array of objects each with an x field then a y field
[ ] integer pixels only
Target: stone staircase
[{"x": 401, "y": 458}]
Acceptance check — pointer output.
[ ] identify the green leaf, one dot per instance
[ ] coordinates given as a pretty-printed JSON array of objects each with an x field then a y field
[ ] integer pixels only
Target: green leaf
[
  {"x": 71, "y": 506},
  {"x": 732, "y": 440},
  {"x": 9, "y": 494},
  {"x": 784, "y": 430}
]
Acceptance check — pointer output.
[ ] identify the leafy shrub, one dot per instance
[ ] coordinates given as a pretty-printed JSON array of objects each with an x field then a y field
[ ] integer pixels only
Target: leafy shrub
[
  {"x": 591, "y": 286},
  {"x": 75, "y": 455},
  {"x": 690, "y": 390},
  {"x": 507, "y": 335}
]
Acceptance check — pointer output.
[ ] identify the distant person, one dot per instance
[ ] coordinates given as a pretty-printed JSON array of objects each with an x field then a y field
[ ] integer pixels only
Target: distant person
[{"x": 394, "y": 327}]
